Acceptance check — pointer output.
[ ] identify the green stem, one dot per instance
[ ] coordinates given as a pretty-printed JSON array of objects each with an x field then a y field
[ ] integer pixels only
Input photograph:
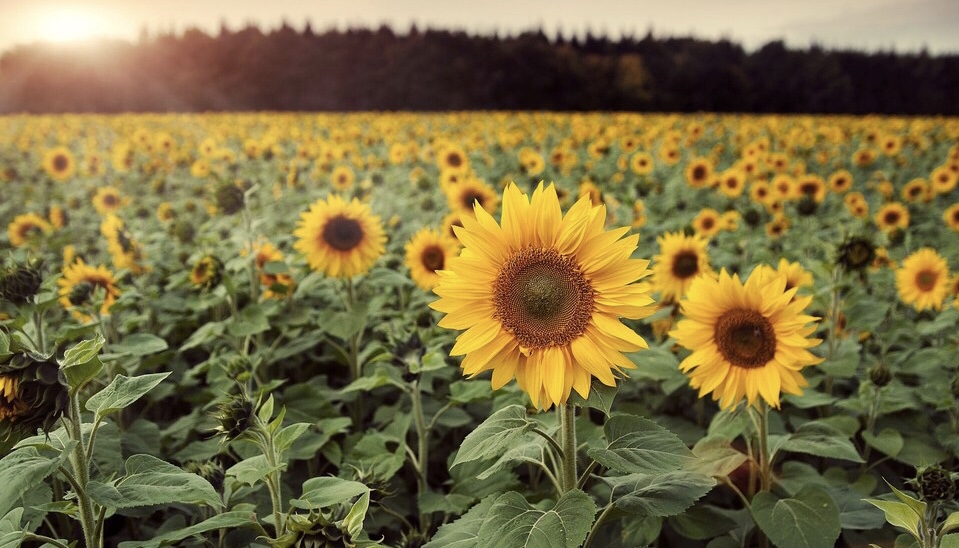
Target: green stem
[
  {"x": 273, "y": 484},
  {"x": 42, "y": 538},
  {"x": 597, "y": 523},
  {"x": 765, "y": 462},
  {"x": 549, "y": 439},
  {"x": 81, "y": 476},
  {"x": 567, "y": 414},
  {"x": 38, "y": 324},
  {"x": 422, "y": 437}
]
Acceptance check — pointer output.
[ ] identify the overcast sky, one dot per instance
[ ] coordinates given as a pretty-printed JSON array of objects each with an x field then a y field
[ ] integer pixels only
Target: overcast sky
[{"x": 905, "y": 25}]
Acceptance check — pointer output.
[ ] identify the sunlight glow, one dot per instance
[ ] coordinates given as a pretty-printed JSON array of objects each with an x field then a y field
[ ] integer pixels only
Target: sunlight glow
[{"x": 70, "y": 24}]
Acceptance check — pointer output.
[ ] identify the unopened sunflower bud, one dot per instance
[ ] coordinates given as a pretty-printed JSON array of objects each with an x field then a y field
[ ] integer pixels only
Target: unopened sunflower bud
[
  {"x": 211, "y": 471},
  {"x": 880, "y": 375},
  {"x": 234, "y": 416},
  {"x": 229, "y": 198},
  {"x": 935, "y": 484},
  {"x": 19, "y": 284}
]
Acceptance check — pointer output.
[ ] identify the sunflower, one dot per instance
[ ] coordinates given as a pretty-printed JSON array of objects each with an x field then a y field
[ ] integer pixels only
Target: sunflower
[
  {"x": 811, "y": 186},
  {"x": 641, "y": 163},
  {"x": 277, "y": 285},
  {"x": 452, "y": 158},
  {"x": 732, "y": 182},
  {"x": 778, "y": 226},
  {"x": 207, "y": 272},
  {"x": 707, "y": 223},
  {"x": 81, "y": 283},
  {"x": 338, "y": 238},
  {"x": 541, "y": 294},
  {"x": 342, "y": 178},
  {"x": 760, "y": 192},
  {"x": 107, "y": 200},
  {"x": 923, "y": 279},
  {"x": 796, "y": 275},
  {"x": 681, "y": 259},
  {"x": 59, "y": 163},
  {"x": 33, "y": 394},
  {"x": 25, "y": 226},
  {"x": 428, "y": 251},
  {"x": 840, "y": 181},
  {"x": 892, "y": 216},
  {"x": 461, "y": 196},
  {"x": 589, "y": 189},
  {"x": 916, "y": 190},
  {"x": 943, "y": 180},
  {"x": 58, "y": 217},
  {"x": 699, "y": 172},
  {"x": 747, "y": 340},
  {"x": 951, "y": 217}
]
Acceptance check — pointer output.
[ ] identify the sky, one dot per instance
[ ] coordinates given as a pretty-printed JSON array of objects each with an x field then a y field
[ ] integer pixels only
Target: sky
[{"x": 903, "y": 25}]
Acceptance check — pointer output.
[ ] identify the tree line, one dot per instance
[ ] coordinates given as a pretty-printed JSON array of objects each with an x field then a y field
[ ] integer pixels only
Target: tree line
[{"x": 379, "y": 69}]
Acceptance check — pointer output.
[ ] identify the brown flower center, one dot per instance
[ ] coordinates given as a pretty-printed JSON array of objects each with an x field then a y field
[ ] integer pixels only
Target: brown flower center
[
  {"x": 342, "y": 233},
  {"x": 542, "y": 298},
  {"x": 699, "y": 173},
  {"x": 685, "y": 264},
  {"x": 470, "y": 197},
  {"x": 432, "y": 258},
  {"x": 745, "y": 338},
  {"x": 453, "y": 159},
  {"x": 60, "y": 163},
  {"x": 926, "y": 280},
  {"x": 891, "y": 217}
]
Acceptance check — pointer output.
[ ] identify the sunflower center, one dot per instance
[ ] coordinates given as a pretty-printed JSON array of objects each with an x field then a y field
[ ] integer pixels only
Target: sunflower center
[
  {"x": 60, "y": 162},
  {"x": 685, "y": 265},
  {"x": 542, "y": 298},
  {"x": 454, "y": 160},
  {"x": 926, "y": 280},
  {"x": 342, "y": 233},
  {"x": 892, "y": 217},
  {"x": 433, "y": 258},
  {"x": 470, "y": 198},
  {"x": 699, "y": 172},
  {"x": 708, "y": 223},
  {"x": 745, "y": 338}
]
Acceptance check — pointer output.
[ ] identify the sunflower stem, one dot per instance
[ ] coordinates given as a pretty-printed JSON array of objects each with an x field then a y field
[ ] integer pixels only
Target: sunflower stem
[
  {"x": 567, "y": 414},
  {"x": 765, "y": 462},
  {"x": 81, "y": 471},
  {"x": 38, "y": 324}
]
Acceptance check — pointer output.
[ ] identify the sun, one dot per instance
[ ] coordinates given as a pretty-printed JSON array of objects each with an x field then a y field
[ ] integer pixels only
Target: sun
[{"x": 70, "y": 24}]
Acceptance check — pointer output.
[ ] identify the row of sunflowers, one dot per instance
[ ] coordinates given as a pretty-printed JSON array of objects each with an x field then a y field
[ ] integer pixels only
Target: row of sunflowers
[{"x": 297, "y": 329}]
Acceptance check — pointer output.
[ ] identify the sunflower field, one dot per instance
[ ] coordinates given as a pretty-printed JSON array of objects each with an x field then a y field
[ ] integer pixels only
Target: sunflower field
[{"x": 479, "y": 330}]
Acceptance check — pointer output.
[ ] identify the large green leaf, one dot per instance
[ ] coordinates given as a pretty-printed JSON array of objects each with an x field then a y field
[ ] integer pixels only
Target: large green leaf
[
  {"x": 250, "y": 321},
  {"x": 11, "y": 534},
  {"x": 640, "y": 446},
  {"x": 140, "y": 344},
  {"x": 322, "y": 492},
  {"x": 659, "y": 494},
  {"x": 898, "y": 514},
  {"x": 226, "y": 520},
  {"x": 151, "y": 481},
  {"x": 121, "y": 392},
  {"x": 495, "y": 435},
  {"x": 600, "y": 397},
  {"x": 889, "y": 441},
  {"x": 808, "y": 520},
  {"x": 822, "y": 440},
  {"x": 252, "y": 470},
  {"x": 81, "y": 363},
  {"x": 716, "y": 457},
  {"x": 23, "y": 469},
  {"x": 464, "y": 532},
  {"x": 512, "y": 522}
]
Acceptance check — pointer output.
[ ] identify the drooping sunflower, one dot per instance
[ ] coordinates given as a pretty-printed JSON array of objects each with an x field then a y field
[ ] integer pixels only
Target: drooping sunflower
[
  {"x": 338, "y": 238},
  {"x": 428, "y": 251},
  {"x": 923, "y": 279},
  {"x": 951, "y": 217},
  {"x": 681, "y": 259},
  {"x": 540, "y": 296},
  {"x": 107, "y": 200},
  {"x": 207, "y": 272},
  {"x": 892, "y": 216},
  {"x": 81, "y": 284},
  {"x": 59, "y": 163},
  {"x": 748, "y": 340},
  {"x": 32, "y": 395},
  {"x": 25, "y": 226}
]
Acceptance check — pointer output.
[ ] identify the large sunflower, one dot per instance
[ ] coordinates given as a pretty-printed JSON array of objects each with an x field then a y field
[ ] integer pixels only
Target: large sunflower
[
  {"x": 747, "y": 340},
  {"x": 923, "y": 279},
  {"x": 81, "y": 284},
  {"x": 681, "y": 259},
  {"x": 540, "y": 296},
  {"x": 427, "y": 251},
  {"x": 338, "y": 238}
]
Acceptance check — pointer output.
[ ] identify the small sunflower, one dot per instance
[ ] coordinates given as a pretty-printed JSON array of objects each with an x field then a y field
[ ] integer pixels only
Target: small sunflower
[
  {"x": 840, "y": 181},
  {"x": 338, "y": 238},
  {"x": 107, "y": 200},
  {"x": 699, "y": 172},
  {"x": 943, "y": 180},
  {"x": 540, "y": 296},
  {"x": 59, "y": 163},
  {"x": 342, "y": 178},
  {"x": 277, "y": 285},
  {"x": 923, "y": 279},
  {"x": 207, "y": 272},
  {"x": 732, "y": 182},
  {"x": 892, "y": 216},
  {"x": 58, "y": 217},
  {"x": 81, "y": 283},
  {"x": 748, "y": 340},
  {"x": 811, "y": 186},
  {"x": 681, "y": 259},
  {"x": 707, "y": 223},
  {"x": 461, "y": 196},
  {"x": 24, "y": 227},
  {"x": 916, "y": 190},
  {"x": 428, "y": 251},
  {"x": 641, "y": 163},
  {"x": 453, "y": 158},
  {"x": 951, "y": 217}
]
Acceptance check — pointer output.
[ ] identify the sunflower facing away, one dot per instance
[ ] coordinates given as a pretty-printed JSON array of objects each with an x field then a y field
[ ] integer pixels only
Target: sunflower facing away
[
  {"x": 338, "y": 238},
  {"x": 540, "y": 296},
  {"x": 427, "y": 251},
  {"x": 923, "y": 279},
  {"x": 681, "y": 259},
  {"x": 747, "y": 340}
]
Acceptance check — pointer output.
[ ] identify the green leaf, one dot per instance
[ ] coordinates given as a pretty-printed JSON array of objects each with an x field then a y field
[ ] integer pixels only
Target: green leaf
[
  {"x": 529, "y": 448},
  {"x": 495, "y": 435},
  {"x": 252, "y": 470},
  {"x": 600, "y": 397},
  {"x": 822, "y": 440},
  {"x": 326, "y": 491},
  {"x": 638, "y": 445},
  {"x": 140, "y": 344},
  {"x": 23, "y": 469},
  {"x": 702, "y": 522},
  {"x": 918, "y": 506},
  {"x": 285, "y": 438},
  {"x": 889, "y": 441},
  {"x": 81, "y": 364},
  {"x": 952, "y": 522},
  {"x": 151, "y": 481},
  {"x": 226, "y": 520},
  {"x": 463, "y": 392},
  {"x": 432, "y": 361},
  {"x": 353, "y": 522},
  {"x": 716, "y": 457},
  {"x": 898, "y": 514},
  {"x": 11, "y": 534},
  {"x": 512, "y": 522},
  {"x": 808, "y": 520},
  {"x": 729, "y": 425},
  {"x": 121, "y": 392},
  {"x": 346, "y": 324},
  {"x": 4, "y": 346},
  {"x": 845, "y": 362},
  {"x": 206, "y": 332},
  {"x": 250, "y": 321},
  {"x": 659, "y": 494},
  {"x": 464, "y": 532}
]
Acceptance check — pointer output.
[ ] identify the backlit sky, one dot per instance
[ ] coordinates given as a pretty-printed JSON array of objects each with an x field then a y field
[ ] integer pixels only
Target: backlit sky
[{"x": 904, "y": 25}]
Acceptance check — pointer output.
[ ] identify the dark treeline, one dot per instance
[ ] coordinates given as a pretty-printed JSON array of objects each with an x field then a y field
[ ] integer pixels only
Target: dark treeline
[{"x": 367, "y": 69}]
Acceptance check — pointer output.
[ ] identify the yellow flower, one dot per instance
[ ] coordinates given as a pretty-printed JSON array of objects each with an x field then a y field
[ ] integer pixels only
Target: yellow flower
[
  {"x": 107, "y": 200},
  {"x": 23, "y": 227},
  {"x": 427, "y": 252},
  {"x": 342, "y": 178},
  {"x": 892, "y": 216},
  {"x": 707, "y": 223},
  {"x": 338, "y": 238},
  {"x": 59, "y": 163},
  {"x": 747, "y": 340},
  {"x": 81, "y": 283},
  {"x": 540, "y": 296},
  {"x": 923, "y": 279},
  {"x": 460, "y": 196},
  {"x": 681, "y": 259},
  {"x": 951, "y": 217}
]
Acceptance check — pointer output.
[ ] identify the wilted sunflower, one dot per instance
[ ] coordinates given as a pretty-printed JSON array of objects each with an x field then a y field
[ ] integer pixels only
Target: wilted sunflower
[
  {"x": 681, "y": 259},
  {"x": 540, "y": 296},
  {"x": 59, "y": 163},
  {"x": 338, "y": 238},
  {"x": 923, "y": 279},
  {"x": 33, "y": 394},
  {"x": 80, "y": 284},
  {"x": 428, "y": 251},
  {"x": 25, "y": 226},
  {"x": 747, "y": 340}
]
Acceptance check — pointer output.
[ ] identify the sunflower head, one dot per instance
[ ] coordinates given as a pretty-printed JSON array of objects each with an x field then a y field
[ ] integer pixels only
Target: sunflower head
[
  {"x": 935, "y": 484},
  {"x": 207, "y": 272},
  {"x": 234, "y": 416},
  {"x": 923, "y": 280},
  {"x": 340, "y": 239},
  {"x": 428, "y": 252},
  {"x": 682, "y": 258},
  {"x": 540, "y": 295},
  {"x": 229, "y": 198},
  {"x": 33, "y": 394},
  {"x": 856, "y": 253},
  {"x": 19, "y": 283}
]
